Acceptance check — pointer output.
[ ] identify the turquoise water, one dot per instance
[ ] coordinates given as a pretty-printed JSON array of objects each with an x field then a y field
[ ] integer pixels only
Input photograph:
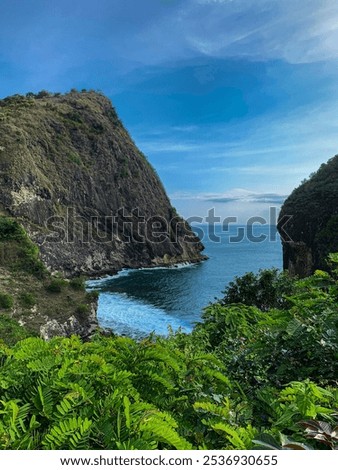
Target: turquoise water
[{"x": 138, "y": 302}]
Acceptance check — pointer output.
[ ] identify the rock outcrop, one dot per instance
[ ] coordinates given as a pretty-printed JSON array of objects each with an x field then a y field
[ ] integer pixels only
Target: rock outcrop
[
  {"x": 85, "y": 194},
  {"x": 312, "y": 230}
]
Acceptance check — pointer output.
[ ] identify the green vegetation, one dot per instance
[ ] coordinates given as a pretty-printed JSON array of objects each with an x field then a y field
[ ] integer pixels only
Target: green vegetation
[
  {"x": 326, "y": 239},
  {"x": 11, "y": 332},
  {"x": 75, "y": 158},
  {"x": 265, "y": 290},
  {"x": 6, "y": 300},
  {"x": 92, "y": 295},
  {"x": 27, "y": 299},
  {"x": 261, "y": 374},
  {"x": 17, "y": 251},
  {"x": 28, "y": 290},
  {"x": 77, "y": 283},
  {"x": 82, "y": 309},
  {"x": 55, "y": 286}
]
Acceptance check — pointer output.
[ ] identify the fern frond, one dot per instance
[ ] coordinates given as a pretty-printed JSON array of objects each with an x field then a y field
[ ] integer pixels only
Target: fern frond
[
  {"x": 216, "y": 410},
  {"x": 63, "y": 408},
  {"x": 156, "y": 378},
  {"x": 240, "y": 438},
  {"x": 42, "y": 365},
  {"x": 30, "y": 348},
  {"x": 68, "y": 434},
  {"x": 159, "y": 429},
  {"x": 44, "y": 401}
]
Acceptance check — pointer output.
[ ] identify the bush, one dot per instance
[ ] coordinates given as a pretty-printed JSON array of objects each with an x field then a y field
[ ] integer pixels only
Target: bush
[
  {"x": 297, "y": 341},
  {"x": 82, "y": 309},
  {"x": 10, "y": 229},
  {"x": 78, "y": 283},
  {"x": 11, "y": 332},
  {"x": 73, "y": 157},
  {"x": 56, "y": 285},
  {"x": 6, "y": 300},
  {"x": 27, "y": 299},
  {"x": 43, "y": 94},
  {"x": 18, "y": 251},
  {"x": 264, "y": 290},
  {"x": 92, "y": 295},
  {"x": 29, "y": 260}
]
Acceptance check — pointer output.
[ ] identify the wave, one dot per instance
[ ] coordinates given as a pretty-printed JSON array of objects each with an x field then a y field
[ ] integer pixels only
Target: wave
[
  {"x": 100, "y": 282},
  {"x": 126, "y": 316}
]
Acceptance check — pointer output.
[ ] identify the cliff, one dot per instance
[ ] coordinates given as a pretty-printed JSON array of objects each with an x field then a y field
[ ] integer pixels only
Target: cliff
[
  {"x": 312, "y": 231},
  {"x": 87, "y": 197}
]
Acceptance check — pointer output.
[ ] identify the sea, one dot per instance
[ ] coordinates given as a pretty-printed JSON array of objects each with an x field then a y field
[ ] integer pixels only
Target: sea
[{"x": 137, "y": 302}]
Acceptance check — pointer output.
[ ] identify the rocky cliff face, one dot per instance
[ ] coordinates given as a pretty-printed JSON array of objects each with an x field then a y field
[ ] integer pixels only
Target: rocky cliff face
[
  {"x": 312, "y": 231},
  {"x": 85, "y": 194}
]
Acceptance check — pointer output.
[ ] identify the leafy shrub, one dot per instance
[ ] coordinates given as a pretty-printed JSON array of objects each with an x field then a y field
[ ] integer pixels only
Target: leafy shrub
[
  {"x": 265, "y": 290},
  {"x": 6, "y": 300},
  {"x": 10, "y": 333},
  {"x": 21, "y": 254},
  {"x": 92, "y": 295},
  {"x": 27, "y": 299},
  {"x": 77, "y": 283},
  {"x": 321, "y": 431},
  {"x": 10, "y": 229},
  {"x": 82, "y": 309},
  {"x": 55, "y": 286},
  {"x": 43, "y": 94},
  {"x": 98, "y": 403},
  {"x": 29, "y": 260},
  {"x": 278, "y": 345},
  {"x": 74, "y": 117}
]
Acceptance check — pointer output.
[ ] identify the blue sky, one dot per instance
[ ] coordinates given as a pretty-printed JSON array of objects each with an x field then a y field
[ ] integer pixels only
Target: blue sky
[{"x": 233, "y": 101}]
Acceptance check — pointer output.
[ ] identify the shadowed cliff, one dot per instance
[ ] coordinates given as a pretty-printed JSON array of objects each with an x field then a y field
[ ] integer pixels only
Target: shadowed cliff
[{"x": 313, "y": 226}]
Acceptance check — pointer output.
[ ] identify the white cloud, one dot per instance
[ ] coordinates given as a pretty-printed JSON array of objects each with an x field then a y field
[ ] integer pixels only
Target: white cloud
[
  {"x": 159, "y": 146},
  {"x": 56, "y": 43},
  {"x": 271, "y": 154},
  {"x": 263, "y": 170},
  {"x": 235, "y": 194},
  {"x": 292, "y": 142},
  {"x": 295, "y": 31},
  {"x": 240, "y": 203}
]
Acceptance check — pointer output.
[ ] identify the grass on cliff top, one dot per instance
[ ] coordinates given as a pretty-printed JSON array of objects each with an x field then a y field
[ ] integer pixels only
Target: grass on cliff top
[
  {"x": 28, "y": 293},
  {"x": 52, "y": 132}
]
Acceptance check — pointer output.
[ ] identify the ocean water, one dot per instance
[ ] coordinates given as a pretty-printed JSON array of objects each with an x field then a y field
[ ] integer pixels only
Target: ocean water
[{"x": 136, "y": 302}]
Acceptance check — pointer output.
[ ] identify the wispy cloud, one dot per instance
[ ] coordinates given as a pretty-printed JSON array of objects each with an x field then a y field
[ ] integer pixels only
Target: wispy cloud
[
  {"x": 298, "y": 32},
  {"x": 159, "y": 146},
  {"x": 287, "y": 147},
  {"x": 262, "y": 170},
  {"x": 235, "y": 195},
  {"x": 125, "y": 34}
]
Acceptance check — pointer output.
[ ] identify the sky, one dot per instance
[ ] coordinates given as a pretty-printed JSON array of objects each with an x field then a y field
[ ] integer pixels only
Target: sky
[{"x": 234, "y": 102}]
